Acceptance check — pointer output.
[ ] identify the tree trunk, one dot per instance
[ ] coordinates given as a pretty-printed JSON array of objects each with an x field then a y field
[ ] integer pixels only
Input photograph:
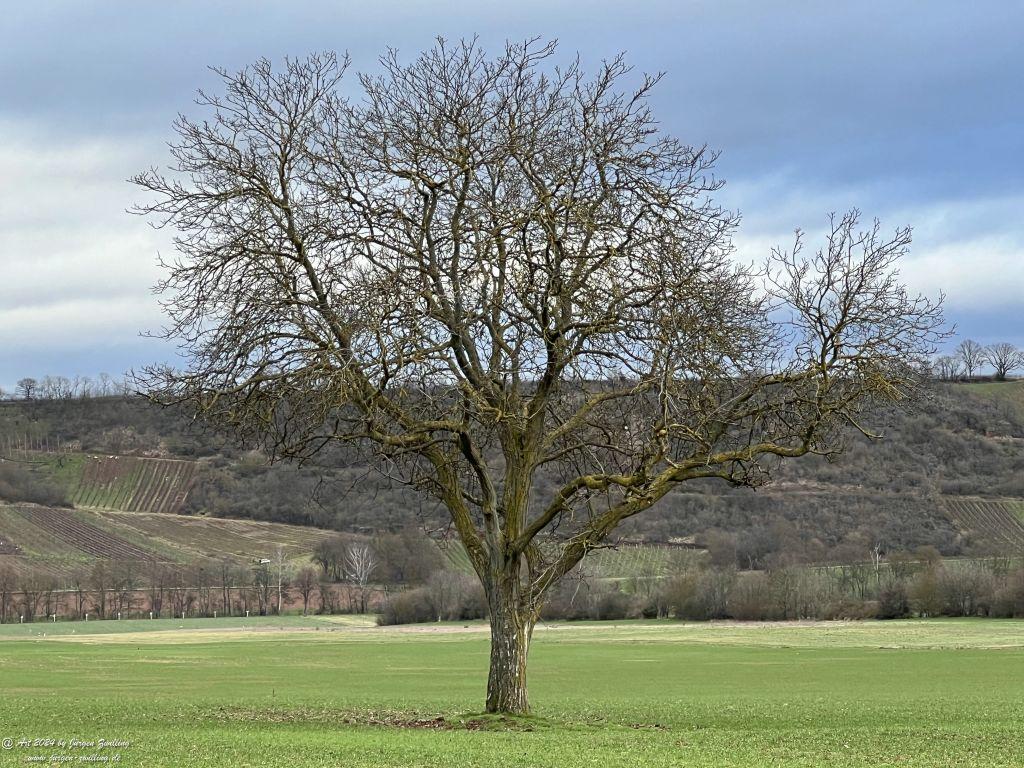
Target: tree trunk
[{"x": 511, "y": 630}]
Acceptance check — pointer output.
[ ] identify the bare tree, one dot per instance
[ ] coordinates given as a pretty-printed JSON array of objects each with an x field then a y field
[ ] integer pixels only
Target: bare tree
[
  {"x": 124, "y": 582},
  {"x": 972, "y": 356},
  {"x": 327, "y": 596},
  {"x": 158, "y": 578},
  {"x": 26, "y": 388},
  {"x": 102, "y": 582},
  {"x": 202, "y": 581},
  {"x": 1004, "y": 358},
  {"x": 360, "y": 563},
  {"x": 228, "y": 574},
  {"x": 8, "y": 583},
  {"x": 32, "y": 586},
  {"x": 262, "y": 583},
  {"x": 106, "y": 385},
  {"x": 51, "y": 596},
  {"x": 306, "y": 581},
  {"x": 54, "y": 388},
  {"x": 330, "y": 555},
  {"x": 281, "y": 565},
  {"x": 947, "y": 367},
  {"x": 490, "y": 270},
  {"x": 79, "y": 584}
]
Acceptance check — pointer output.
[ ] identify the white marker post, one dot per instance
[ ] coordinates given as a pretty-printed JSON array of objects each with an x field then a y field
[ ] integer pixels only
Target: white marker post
[
  {"x": 118, "y": 615},
  {"x": 87, "y": 617}
]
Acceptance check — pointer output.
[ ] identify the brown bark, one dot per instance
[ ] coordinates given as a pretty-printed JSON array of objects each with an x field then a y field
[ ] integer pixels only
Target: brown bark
[{"x": 511, "y": 631}]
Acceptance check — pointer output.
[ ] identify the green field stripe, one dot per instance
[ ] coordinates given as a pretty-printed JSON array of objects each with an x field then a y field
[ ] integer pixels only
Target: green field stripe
[
  {"x": 160, "y": 484},
  {"x": 83, "y": 483},
  {"x": 156, "y": 488},
  {"x": 166, "y": 501},
  {"x": 89, "y": 481},
  {"x": 131, "y": 483},
  {"x": 121, "y": 494},
  {"x": 168, "y": 478},
  {"x": 142, "y": 491}
]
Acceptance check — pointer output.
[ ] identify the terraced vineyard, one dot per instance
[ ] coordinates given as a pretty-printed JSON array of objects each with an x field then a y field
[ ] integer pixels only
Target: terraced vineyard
[
  {"x": 633, "y": 561},
  {"x": 65, "y": 525},
  {"x": 57, "y": 541},
  {"x": 215, "y": 537},
  {"x": 998, "y": 522},
  {"x": 129, "y": 483}
]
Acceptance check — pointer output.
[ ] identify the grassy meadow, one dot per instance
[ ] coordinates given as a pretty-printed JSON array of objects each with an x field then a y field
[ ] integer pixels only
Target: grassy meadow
[{"x": 341, "y": 692}]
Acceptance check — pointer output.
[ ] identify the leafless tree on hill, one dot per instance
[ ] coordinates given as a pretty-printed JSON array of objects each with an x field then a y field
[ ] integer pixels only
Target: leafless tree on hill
[
  {"x": 26, "y": 388},
  {"x": 972, "y": 356},
  {"x": 488, "y": 267},
  {"x": 947, "y": 367},
  {"x": 1004, "y": 358}
]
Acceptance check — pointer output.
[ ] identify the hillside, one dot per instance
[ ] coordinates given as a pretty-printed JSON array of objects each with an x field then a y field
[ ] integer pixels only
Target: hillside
[
  {"x": 59, "y": 541},
  {"x": 949, "y": 474}
]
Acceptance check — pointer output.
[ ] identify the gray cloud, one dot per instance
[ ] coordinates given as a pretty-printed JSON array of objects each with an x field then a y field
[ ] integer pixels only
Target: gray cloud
[{"x": 910, "y": 111}]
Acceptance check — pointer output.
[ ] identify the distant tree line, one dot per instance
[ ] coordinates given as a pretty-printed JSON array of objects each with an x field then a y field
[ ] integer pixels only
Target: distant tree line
[
  {"x": 907, "y": 585},
  {"x": 970, "y": 357},
  {"x": 346, "y": 574},
  {"x": 405, "y": 578},
  {"x": 66, "y": 388}
]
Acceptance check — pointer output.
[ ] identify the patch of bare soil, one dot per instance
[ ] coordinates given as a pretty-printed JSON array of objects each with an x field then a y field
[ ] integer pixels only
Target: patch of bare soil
[{"x": 383, "y": 719}]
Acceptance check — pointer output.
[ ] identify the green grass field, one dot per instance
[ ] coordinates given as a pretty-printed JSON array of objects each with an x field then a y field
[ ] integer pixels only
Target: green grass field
[
  {"x": 341, "y": 692},
  {"x": 1006, "y": 394}
]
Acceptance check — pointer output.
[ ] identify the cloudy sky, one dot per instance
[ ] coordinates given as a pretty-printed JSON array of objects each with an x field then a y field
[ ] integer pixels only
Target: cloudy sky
[{"x": 911, "y": 111}]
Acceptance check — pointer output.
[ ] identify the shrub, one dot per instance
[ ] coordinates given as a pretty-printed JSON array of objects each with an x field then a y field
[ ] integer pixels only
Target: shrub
[
  {"x": 751, "y": 599},
  {"x": 893, "y": 602},
  {"x": 612, "y": 604},
  {"x": 412, "y": 606},
  {"x": 447, "y": 596},
  {"x": 849, "y": 609},
  {"x": 591, "y": 599},
  {"x": 1008, "y": 601},
  {"x": 966, "y": 588},
  {"x": 925, "y": 594},
  {"x": 20, "y": 484}
]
